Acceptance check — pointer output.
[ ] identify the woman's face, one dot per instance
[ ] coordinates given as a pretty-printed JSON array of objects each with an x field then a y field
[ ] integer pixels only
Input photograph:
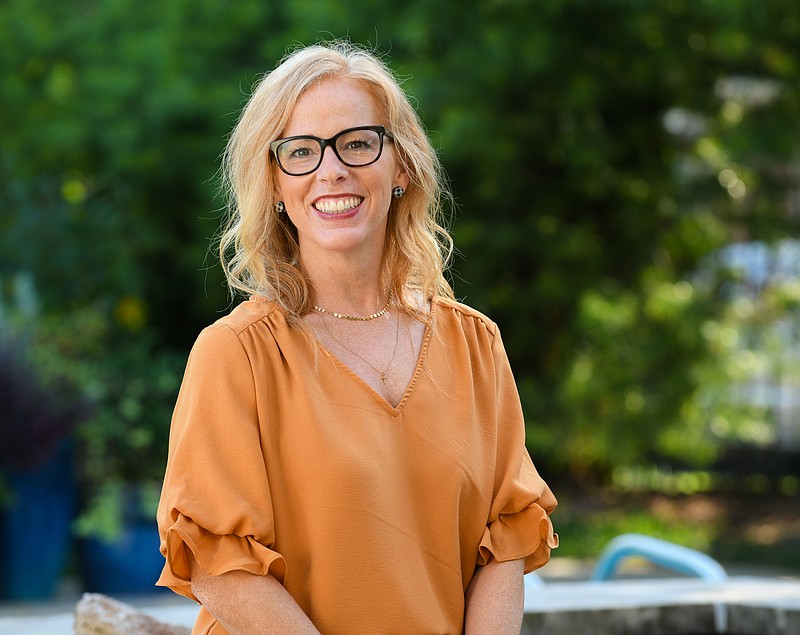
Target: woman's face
[{"x": 339, "y": 208}]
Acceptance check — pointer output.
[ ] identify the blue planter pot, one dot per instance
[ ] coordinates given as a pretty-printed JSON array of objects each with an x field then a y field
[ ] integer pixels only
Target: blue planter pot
[
  {"x": 129, "y": 564},
  {"x": 36, "y": 529}
]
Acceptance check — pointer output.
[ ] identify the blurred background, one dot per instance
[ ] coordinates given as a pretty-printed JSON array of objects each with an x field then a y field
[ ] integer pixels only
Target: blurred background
[{"x": 627, "y": 186}]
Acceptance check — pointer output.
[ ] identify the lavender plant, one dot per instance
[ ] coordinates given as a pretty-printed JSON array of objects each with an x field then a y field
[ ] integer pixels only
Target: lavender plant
[{"x": 37, "y": 415}]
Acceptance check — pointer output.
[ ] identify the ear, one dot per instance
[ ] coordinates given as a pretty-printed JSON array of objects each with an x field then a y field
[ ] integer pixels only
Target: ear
[
  {"x": 402, "y": 179},
  {"x": 273, "y": 179}
]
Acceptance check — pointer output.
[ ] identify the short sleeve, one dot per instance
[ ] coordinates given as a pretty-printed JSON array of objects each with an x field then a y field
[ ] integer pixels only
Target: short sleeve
[
  {"x": 215, "y": 500},
  {"x": 519, "y": 523}
]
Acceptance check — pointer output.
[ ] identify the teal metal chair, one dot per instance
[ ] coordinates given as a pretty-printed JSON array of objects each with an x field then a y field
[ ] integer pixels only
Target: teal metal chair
[{"x": 664, "y": 554}]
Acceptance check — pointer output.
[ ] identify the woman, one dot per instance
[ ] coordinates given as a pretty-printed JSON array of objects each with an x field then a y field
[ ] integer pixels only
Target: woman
[{"x": 347, "y": 450}]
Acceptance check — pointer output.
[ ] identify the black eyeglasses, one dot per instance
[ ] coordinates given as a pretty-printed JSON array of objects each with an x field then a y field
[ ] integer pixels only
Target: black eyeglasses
[{"x": 355, "y": 147}]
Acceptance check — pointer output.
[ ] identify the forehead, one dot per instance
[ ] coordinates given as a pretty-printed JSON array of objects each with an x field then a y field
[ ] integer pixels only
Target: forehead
[{"x": 333, "y": 105}]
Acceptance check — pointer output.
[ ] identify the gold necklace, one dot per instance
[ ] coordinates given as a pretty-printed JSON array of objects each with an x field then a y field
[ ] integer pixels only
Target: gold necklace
[
  {"x": 355, "y": 318},
  {"x": 381, "y": 373}
]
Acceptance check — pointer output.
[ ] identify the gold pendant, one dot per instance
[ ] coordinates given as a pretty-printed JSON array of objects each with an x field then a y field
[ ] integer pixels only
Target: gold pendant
[{"x": 383, "y": 377}]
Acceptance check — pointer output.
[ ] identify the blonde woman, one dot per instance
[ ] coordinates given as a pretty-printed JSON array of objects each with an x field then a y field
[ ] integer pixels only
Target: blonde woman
[{"x": 347, "y": 450}]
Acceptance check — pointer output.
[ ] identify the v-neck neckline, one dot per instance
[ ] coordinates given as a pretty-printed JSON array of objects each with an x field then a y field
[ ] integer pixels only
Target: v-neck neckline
[{"x": 393, "y": 410}]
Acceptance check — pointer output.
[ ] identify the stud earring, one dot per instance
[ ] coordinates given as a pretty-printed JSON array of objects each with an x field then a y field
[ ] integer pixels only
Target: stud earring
[
  {"x": 398, "y": 192},
  {"x": 280, "y": 207}
]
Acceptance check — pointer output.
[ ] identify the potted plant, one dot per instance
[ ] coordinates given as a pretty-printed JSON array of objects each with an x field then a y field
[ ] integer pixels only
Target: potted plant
[
  {"x": 120, "y": 446},
  {"x": 37, "y": 493},
  {"x": 114, "y": 416},
  {"x": 122, "y": 453}
]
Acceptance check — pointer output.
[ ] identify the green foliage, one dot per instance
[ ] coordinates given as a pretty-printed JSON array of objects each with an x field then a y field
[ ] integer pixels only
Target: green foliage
[
  {"x": 113, "y": 504},
  {"x": 585, "y": 532},
  {"x": 88, "y": 376},
  {"x": 600, "y": 153},
  {"x": 131, "y": 386},
  {"x": 134, "y": 390}
]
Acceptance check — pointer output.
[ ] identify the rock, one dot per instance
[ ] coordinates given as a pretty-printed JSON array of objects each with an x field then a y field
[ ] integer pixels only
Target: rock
[{"x": 97, "y": 614}]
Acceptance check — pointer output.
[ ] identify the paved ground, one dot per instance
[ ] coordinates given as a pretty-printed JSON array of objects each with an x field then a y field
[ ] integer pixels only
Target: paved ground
[{"x": 55, "y": 617}]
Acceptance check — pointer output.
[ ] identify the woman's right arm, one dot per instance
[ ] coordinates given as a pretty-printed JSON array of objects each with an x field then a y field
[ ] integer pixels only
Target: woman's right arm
[{"x": 248, "y": 604}]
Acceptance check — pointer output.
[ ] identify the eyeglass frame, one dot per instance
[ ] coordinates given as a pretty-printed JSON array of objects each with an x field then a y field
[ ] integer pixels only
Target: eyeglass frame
[{"x": 324, "y": 143}]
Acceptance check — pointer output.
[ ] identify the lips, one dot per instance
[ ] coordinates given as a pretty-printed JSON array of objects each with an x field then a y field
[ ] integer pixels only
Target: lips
[{"x": 338, "y": 205}]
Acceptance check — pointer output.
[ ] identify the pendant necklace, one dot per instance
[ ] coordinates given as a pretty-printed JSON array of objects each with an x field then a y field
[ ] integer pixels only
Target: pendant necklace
[{"x": 381, "y": 373}]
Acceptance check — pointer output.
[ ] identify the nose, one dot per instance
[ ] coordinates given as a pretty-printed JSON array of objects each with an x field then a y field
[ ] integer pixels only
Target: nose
[{"x": 331, "y": 169}]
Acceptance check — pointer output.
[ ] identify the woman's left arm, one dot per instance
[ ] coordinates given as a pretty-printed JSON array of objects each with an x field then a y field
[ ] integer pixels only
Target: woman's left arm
[{"x": 495, "y": 599}]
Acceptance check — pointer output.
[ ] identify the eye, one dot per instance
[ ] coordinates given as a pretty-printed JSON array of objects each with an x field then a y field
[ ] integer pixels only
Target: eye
[
  {"x": 297, "y": 150},
  {"x": 358, "y": 144},
  {"x": 301, "y": 152}
]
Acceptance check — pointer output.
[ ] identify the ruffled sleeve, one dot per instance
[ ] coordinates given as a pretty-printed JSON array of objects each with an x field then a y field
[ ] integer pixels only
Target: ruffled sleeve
[
  {"x": 519, "y": 525},
  {"x": 216, "y": 501}
]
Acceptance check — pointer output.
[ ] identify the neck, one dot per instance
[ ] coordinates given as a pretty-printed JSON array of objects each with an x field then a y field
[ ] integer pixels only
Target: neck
[{"x": 346, "y": 285}]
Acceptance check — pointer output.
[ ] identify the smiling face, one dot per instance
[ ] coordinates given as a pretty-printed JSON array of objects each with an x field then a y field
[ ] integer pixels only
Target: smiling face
[{"x": 339, "y": 208}]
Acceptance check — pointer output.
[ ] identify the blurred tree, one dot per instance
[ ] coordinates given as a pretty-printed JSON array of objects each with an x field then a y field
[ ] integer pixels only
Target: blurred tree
[
  {"x": 584, "y": 218},
  {"x": 114, "y": 116},
  {"x": 599, "y": 153}
]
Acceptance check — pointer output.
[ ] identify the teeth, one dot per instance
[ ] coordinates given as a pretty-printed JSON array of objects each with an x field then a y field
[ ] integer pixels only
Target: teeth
[{"x": 336, "y": 207}]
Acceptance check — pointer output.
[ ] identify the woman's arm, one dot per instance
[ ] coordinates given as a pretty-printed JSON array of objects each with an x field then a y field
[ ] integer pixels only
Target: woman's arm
[
  {"x": 247, "y": 604},
  {"x": 495, "y": 599}
]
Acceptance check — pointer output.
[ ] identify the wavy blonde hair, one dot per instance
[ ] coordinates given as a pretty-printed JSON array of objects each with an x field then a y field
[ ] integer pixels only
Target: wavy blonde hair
[{"x": 258, "y": 247}]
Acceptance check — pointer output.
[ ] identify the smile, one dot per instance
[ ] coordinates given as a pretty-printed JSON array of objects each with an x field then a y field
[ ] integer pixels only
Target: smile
[{"x": 330, "y": 206}]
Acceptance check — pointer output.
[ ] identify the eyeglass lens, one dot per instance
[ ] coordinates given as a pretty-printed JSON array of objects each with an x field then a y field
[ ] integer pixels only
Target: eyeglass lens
[{"x": 353, "y": 147}]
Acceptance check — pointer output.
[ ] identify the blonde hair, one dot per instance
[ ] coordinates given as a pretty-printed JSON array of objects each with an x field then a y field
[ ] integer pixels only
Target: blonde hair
[{"x": 258, "y": 247}]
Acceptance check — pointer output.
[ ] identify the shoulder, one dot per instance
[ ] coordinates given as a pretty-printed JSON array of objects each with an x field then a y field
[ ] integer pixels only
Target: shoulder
[
  {"x": 255, "y": 315},
  {"x": 250, "y": 339},
  {"x": 448, "y": 312},
  {"x": 247, "y": 314}
]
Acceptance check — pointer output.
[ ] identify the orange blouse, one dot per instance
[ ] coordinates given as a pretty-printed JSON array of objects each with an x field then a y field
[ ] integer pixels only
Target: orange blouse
[{"x": 373, "y": 517}]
